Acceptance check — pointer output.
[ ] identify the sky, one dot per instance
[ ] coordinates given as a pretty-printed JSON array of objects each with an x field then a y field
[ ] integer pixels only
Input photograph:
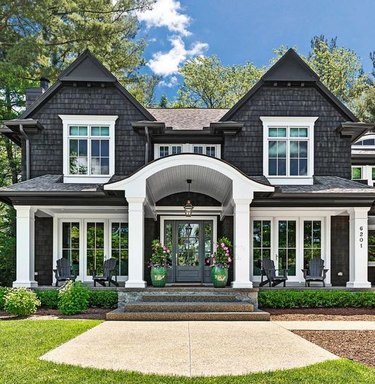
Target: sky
[{"x": 240, "y": 31}]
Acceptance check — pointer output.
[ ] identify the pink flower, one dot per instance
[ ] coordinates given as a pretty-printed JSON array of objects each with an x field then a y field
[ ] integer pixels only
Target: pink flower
[
  {"x": 229, "y": 259},
  {"x": 222, "y": 245}
]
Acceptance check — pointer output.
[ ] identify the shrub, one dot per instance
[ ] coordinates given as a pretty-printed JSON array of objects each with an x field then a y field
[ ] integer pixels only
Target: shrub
[
  {"x": 73, "y": 298},
  {"x": 315, "y": 299},
  {"x": 21, "y": 302},
  {"x": 103, "y": 299},
  {"x": 48, "y": 298},
  {"x": 3, "y": 292}
]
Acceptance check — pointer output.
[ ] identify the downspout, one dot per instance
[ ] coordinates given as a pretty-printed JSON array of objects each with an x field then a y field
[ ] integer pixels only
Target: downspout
[
  {"x": 147, "y": 147},
  {"x": 27, "y": 148}
]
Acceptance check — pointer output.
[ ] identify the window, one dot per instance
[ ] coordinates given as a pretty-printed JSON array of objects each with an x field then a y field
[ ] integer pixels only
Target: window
[
  {"x": 261, "y": 243},
  {"x": 119, "y": 246},
  {"x": 89, "y": 147},
  {"x": 288, "y": 148},
  {"x": 70, "y": 244},
  {"x": 312, "y": 240},
  {"x": 356, "y": 173},
  {"x": 287, "y": 245},
  {"x": 366, "y": 141},
  {"x": 95, "y": 247},
  {"x": 162, "y": 150}
]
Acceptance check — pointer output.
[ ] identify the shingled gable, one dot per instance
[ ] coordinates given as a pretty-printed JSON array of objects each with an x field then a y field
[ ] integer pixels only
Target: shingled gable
[
  {"x": 86, "y": 68},
  {"x": 291, "y": 68}
]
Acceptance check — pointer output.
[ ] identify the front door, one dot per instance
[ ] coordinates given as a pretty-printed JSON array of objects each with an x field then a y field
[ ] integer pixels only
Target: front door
[{"x": 191, "y": 243}]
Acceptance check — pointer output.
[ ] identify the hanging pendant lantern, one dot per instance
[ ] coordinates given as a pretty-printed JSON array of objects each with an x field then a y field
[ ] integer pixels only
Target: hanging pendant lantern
[{"x": 188, "y": 207}]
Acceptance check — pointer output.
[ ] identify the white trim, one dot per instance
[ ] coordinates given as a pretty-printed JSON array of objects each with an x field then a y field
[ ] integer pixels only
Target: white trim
[
  {"x": 88, "y": 120},
  {"x": 365, "y": 137},
  {"x": 366, "y": 173},
  {"x": 185, "y": 148},
  {"x": 290, "y": 121}
]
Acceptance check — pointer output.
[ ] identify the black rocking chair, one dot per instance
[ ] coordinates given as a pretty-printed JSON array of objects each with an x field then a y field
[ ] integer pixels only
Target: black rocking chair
[
  {"x": 64, "y": 271},
  {"x": 315, "y": 271},
  {"x": 110, "y": 271},
  {"x": 268, "y": 270}
]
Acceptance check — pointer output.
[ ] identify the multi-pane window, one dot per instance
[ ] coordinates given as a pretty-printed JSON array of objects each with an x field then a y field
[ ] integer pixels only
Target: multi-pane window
[
  {"x": 119, "y": 246},
  {"x": 261, "y": 243},
  {"x": 163, "y": 150},
  {"x": 70, "y": 244},
  {"x": 166, "y": 150},
  {"x": 95, "y": 247},
  {"x": 287, "y": 246},
  {"x": 288, "y": 151},
  {"x": 312, "y": 240},
  {"x": 88, "y": 150},
  {"x": 356, "y": 173},
  {"x": 366, "y": 142}
]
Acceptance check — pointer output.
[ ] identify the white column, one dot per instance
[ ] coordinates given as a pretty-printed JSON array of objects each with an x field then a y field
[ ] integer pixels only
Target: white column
[
  {"x": 358, "y": 252},
  {"x": 242, "y": 243},
  {"x": 25, "y": 263},
  {"x": 136, "y": 243}
]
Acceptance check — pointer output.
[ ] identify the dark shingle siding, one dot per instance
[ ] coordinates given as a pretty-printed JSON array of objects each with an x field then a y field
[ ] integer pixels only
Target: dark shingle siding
[
  {"x": 44, "y": 250},
  {"x": 47, "y": 147},
  {"x": 332, "y": 152}
]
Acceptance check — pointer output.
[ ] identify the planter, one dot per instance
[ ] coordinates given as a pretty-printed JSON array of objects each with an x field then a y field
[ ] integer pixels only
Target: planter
[
  {"x": 159, "y": 276},
  {"x": 219, "y": 276}
]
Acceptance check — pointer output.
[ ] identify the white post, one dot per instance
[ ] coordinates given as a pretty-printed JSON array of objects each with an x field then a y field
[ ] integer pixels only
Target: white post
[
  {"x": 25, "y": 263},
  {"x": 242, "y": 243},
  {"x": 358, "y": 252},
  {"x": 136, "y": 243}
]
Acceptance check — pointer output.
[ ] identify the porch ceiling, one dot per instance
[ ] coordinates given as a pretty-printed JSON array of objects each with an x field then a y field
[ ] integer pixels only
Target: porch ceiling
[{"x": 204, "y": 180}]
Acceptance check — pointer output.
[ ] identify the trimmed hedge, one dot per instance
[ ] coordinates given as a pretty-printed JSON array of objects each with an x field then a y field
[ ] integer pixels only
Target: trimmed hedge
[
  {"x": 280, "y": 298},
  {"x": 3, "y": 291},
  {"x": 98, "y": 299}
]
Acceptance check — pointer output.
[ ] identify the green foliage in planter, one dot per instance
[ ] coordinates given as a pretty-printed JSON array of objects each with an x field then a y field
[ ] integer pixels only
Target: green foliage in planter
[
  {"x": 280, "y": 298},
  {"x": 48, "y": 298},
  {"x": 3, "y": 292},
  {"x": 73, "y": 298},
  {"x": 21, "y": 302},
  {"x": 103, "y": 299}
]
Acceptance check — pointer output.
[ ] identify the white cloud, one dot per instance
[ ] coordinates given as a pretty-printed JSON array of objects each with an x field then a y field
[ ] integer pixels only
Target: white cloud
[
  {"x": 165, "y": 64},
  {"x": 169, "y": 83},
  {"x": 166, "y": 13}
]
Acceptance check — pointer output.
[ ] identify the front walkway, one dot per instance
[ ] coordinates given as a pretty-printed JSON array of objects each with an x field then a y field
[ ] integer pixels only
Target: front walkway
[{"x": 189, "y": 348}]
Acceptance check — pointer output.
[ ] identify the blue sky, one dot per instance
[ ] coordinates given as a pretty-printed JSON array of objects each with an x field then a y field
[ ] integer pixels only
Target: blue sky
[{"x": 239, "y": 31}]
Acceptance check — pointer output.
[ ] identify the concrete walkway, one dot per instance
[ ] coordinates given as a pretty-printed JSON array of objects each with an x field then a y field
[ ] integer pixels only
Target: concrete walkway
[
  {"x": 327, "y": 325},
  {"x": 189, "y": 348}
]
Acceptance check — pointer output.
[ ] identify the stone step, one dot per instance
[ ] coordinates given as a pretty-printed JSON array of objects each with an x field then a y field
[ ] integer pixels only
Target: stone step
[
  {"x": 189, "y": 307},
  {"x": 209, "y": 298},
  {"x": 188, "y": 316}
]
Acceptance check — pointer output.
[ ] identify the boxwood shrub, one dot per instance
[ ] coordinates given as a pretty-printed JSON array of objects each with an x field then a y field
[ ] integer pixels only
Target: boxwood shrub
[
  {"x": 99, "y": 299},
  {"x": 280, "y": 298}
]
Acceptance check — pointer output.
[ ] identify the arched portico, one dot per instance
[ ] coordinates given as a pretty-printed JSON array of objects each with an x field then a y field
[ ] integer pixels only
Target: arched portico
[{"x": 210, "y": 176}]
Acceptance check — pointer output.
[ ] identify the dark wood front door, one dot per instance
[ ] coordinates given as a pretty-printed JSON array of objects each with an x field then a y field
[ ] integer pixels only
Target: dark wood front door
[{"x": 191, "y": 244}]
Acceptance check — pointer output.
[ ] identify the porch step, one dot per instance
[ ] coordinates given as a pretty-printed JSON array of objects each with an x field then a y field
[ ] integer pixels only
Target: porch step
[
  {"x": 184, "y": 307},
  {"x": 217, "y": 298},
  {"x": 188, "y": 316}
]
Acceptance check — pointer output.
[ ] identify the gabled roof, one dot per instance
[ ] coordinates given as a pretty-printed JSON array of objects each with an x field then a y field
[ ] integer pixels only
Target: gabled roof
[
  {"x": 291, "y": 68},
  {"x": 86, "y": 68}
]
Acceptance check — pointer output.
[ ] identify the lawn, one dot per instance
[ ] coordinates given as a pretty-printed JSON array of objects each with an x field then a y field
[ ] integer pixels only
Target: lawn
[{"x": 23, "y": 341}]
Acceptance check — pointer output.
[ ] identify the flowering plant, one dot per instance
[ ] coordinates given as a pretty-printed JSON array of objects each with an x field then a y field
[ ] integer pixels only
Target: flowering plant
[
  {"x": 160, "y": 255},
  {"x": 222, "y": 256}
]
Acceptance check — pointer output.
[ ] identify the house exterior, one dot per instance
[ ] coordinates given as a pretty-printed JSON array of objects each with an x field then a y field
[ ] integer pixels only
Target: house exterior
[{"x": 103, "y": 176}]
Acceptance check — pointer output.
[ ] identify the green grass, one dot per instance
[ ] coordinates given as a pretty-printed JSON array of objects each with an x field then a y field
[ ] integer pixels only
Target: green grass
[{"x": 23, "y": 341}]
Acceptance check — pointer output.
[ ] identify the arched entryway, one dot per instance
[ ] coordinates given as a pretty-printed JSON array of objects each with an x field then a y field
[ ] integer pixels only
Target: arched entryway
[{"x": 210, "y": 176}]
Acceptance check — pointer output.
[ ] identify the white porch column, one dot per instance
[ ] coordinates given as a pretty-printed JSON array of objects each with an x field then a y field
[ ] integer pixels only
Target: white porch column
[
  {"x": 25, "y": 262},
  {"x": 136, "y": 243},
  {"x": 242, "y": 243},
  {"x": 358, "y": 252}
]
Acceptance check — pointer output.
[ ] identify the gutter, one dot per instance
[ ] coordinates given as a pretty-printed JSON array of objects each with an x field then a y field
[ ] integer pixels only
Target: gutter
[
  {"x": 27, "y": 154},
  {"x": 147, "y": 145}
]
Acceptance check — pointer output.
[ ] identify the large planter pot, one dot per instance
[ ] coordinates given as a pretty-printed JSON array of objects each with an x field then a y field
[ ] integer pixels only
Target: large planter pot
[
  {"x": 219, "y": 276},
  {"x": 159, "y": 276}
]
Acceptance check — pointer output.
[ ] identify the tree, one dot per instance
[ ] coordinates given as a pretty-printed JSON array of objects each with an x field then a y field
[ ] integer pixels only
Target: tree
[
  {"x": 163, "y": 103},
  {"x": 209, "y": 83}
]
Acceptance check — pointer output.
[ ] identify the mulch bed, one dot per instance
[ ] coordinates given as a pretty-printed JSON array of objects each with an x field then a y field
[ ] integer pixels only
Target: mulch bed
[
  {"x": 52, "y": 314},
  {"x": 354, "y": 345},
  {"x": 312, "y": 314}
]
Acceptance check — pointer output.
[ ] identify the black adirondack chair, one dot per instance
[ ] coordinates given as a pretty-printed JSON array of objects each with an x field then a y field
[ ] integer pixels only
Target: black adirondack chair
[
  {"x": 315, "y": 271},
  {"x": 64, "y": 271},
  {"x": 109, "y": 271},
  {"x": 268, "y": 270}
]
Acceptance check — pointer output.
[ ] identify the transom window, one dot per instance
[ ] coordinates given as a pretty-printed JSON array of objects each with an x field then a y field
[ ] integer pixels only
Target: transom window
[
  {"x": 366, "y": 141},
  {"x": 89, "y": 148},
  {"x": 288, "y": 149},
  {"x": 162, "y": 150}
]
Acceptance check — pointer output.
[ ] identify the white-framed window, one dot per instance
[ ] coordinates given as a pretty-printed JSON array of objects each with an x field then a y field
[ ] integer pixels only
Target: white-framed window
[
  {"x": 162, "y": 150},
  {"x": 89, "y": 148},
  {"x": 356, "y": 173},
  {"x": 364, "y": 172},
  {"x": 366, "y": 142},
  {"x": 288, "y": 149}
]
